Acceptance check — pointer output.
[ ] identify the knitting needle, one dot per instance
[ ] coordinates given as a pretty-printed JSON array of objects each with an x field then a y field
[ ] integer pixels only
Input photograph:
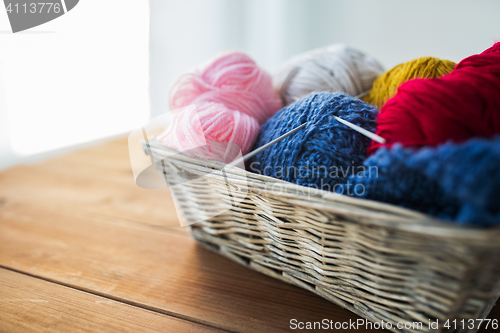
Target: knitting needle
[
  {"x": 267, "y": 145},
  {"x": 361, "y": 130},
  {"x": 362, "y": 94}
]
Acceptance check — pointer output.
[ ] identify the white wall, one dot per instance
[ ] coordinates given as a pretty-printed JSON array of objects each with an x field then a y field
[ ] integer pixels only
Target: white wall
[
  {"x": 186, "y": 33},
  {"x": 79, "y": 78},
  {"x": 84, "y": 76},
  {"x": 396, "y": 31},
  {"x": 6, "y": 157}
]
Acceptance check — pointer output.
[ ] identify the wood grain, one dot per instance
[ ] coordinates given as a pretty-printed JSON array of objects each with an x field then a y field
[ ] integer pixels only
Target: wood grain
[
  {"x": 91, "y": 185},
  {"x": 80, "y": 221},
  {"x": 153, "y": 269},
  {"x": 28, "y": 304}
]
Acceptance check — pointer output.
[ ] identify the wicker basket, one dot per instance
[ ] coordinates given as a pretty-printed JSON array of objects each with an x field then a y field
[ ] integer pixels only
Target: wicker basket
[{"x": 379, "y": 261}]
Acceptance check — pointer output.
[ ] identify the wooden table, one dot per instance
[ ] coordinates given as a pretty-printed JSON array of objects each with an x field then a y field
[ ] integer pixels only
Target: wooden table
[{"x": 83, "y": 249}]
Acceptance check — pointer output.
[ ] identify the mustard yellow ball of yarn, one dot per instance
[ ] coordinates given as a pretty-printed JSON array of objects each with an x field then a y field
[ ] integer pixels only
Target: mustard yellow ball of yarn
[{"x": 386, "y": 85}]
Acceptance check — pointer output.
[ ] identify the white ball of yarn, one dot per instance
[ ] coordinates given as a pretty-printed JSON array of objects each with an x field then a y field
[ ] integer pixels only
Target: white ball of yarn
[{"x": 332, "y": 68}]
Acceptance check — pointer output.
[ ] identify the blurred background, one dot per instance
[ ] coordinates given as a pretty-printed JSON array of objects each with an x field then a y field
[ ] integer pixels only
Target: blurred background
[
  {"x": 63, "y": 87},
  {"x": 73, "y": 81}
]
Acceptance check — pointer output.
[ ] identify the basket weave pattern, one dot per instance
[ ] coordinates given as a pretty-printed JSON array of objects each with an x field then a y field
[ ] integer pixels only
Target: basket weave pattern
[{"x": 377, "y": 260}]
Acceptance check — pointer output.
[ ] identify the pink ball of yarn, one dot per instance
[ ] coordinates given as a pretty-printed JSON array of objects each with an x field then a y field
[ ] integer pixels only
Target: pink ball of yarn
[
  {"x": 232, "y": 97},
  {"x": 212, "y": 131},
  {"x": 233, "y": 79}
]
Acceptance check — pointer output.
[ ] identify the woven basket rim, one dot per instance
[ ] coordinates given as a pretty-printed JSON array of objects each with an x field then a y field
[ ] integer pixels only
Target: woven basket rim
[{"x": 369, "y": 211}]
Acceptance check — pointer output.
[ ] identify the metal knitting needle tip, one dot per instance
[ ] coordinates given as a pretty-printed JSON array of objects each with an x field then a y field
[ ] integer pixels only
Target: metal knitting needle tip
[
  {"x": 251, "y": 154},
  {"x": 267, "y": 145},
  {"x": 369, "y": 134},
  {"x": 363, "y": 94}
]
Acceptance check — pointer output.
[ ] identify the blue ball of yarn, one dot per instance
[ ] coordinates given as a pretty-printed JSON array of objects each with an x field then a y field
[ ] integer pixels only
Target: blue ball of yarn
[
  {"x": 456, "y": 182},
  {"x": 325, "y": 152}
]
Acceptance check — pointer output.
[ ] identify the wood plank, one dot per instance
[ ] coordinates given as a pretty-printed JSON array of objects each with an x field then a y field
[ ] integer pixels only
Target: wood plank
[
  {"x": 96, "y": 161},
  {"x": 126, "y": 201},
  {"x": 97, "y": 179},
  {"x": 108, "y": 162},
  {"x": 93, "y": 192},
  {"x": 153, "y": 268},
  {"x": 28, "y": 304}
]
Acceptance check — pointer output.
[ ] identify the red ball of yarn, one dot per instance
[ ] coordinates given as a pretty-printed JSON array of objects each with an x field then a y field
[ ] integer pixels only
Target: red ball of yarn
[{"x": 456, "y": 107}]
